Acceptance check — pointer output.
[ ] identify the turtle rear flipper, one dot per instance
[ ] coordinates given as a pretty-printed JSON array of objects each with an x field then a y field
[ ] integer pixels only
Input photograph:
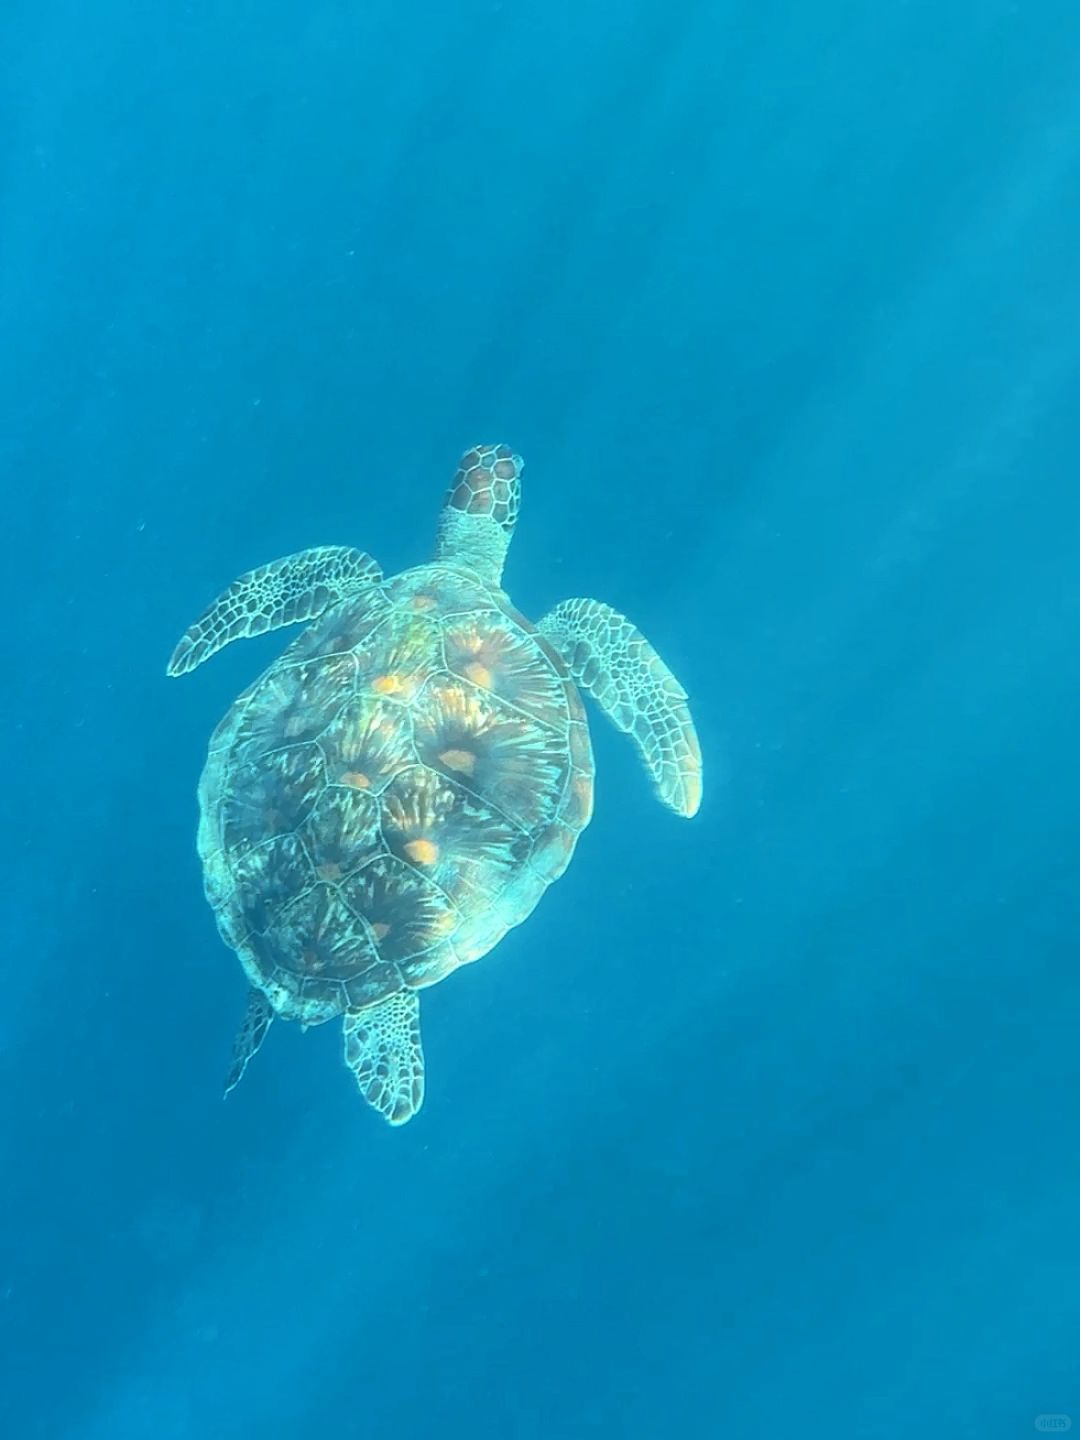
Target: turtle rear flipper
[
  {"x": 252, "y": 1033},
  {"x": 383, "y": 1050},
  {"x": 297, "y": 587},
  {"x": 611, "y": 660}
]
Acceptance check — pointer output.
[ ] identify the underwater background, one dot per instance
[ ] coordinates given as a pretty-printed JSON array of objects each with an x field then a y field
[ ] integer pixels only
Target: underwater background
[{"x": 763, "y": 1124}]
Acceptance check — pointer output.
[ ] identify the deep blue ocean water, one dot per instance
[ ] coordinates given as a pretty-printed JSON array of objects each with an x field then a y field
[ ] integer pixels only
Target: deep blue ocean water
[{"x": 765, "y": 1124}]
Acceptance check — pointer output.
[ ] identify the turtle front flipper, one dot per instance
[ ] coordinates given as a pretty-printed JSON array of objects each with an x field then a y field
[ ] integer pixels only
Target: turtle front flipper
[
  {"x": 383, "y": 1050},
  {"x": 298, "y": 587},
  {"x": 611, "y": 660},
  {"x": 481, "y": 510},
  {"x": 252, "y": 1033}
]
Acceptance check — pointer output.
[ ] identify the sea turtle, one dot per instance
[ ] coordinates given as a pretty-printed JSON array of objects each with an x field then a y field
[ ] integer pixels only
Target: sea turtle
[{"x": 401, "y": 786}]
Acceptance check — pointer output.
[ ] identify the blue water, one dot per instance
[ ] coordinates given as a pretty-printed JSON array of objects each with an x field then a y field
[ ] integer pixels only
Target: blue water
[{"x": 764, "y": 1124}]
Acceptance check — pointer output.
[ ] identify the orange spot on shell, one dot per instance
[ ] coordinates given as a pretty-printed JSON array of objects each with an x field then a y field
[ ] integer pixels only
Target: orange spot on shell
[
  {"x": 357, "y": 779},
  {"x": 423, "y": 851},
  {"x": 388, "y": 684},
  {"x": 380, "y": 929},
  {"x": 462, "y": 760},
  {"x": 478, "y": 674},
  {"x": 423, "y": 602}
]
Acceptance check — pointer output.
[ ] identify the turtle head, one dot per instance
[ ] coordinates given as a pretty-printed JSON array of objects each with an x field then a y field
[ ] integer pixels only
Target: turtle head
[{"x": 481, "y": 510}]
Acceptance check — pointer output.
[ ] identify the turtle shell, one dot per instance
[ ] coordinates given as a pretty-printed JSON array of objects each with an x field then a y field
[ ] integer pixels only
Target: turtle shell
[{"x": 393, "y": 794}]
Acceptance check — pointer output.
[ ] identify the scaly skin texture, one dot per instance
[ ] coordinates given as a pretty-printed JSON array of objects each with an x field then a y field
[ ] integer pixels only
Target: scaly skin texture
[
  {"x": 299, "y": 587},
  {"x": 250, "y": 1036},
  {"x": 383, "y": 1050},
  {"x": 481, "y": 510},
  {"x": 613, "y": 662}
]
